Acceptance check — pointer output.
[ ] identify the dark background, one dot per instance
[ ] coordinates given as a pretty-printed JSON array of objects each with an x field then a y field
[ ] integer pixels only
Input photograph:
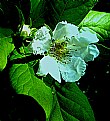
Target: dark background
[{"x": 95, "y": 84}]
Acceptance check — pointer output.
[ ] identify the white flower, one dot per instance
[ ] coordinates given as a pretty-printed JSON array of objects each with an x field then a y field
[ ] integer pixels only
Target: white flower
[{"x": 66, "y": 53}]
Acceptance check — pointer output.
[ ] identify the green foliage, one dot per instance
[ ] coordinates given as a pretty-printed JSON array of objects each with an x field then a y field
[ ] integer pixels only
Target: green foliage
[
  {"x": 34, "y": 5},
  {"x": 6, "y": 46},
  {"x": 73, "y": 103},
  {"x": 4, "y": 32},
  {"x": 98, "y": 22},
  {"x": 71, "y": 11},
  {"x": 53, "y": 11},
  {"x": 37, "y": 12},
  {"x": 25, "y": 82},
  {"x": 61, "y": 102},
  {"x": 12, "y": 13},
  {"x": 56, "y": 114}
]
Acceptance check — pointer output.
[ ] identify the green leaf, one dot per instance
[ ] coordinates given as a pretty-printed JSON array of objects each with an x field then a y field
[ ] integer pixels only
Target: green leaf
[
  {"x": 61, "y": 103},
  {"x": 98, "y": 22},
  {"x": 21, "y": 16},
  {"x": 69, "y": 103},
  {"x": 72, "y": 11},
  {"x": 37, "y": 12},
  {"x": 4, "y": 32},
  {"x": 56, "y": 114},
  {"x": 24, "y": 82},
  {"x": 73, "y": 103},
  {"x": 34, "y": 4},
  {"x": 16, "y": 56},
  {"x": 6, "y": 47}
]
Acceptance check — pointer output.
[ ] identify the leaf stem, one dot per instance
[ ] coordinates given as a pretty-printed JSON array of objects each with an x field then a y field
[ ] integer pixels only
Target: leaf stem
[{"x": 103, "y": 46}]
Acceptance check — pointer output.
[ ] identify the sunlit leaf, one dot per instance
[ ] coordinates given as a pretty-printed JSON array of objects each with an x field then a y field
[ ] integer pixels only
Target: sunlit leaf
[
  {"x": 6, "y": 46},
  {"x": 98, "y": 22},
  {"x": 59, "y": 102},
  {"x": 24, "y": 82}
]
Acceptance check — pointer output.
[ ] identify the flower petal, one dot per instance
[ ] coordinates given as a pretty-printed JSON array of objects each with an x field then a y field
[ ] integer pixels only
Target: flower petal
[
  {"x": 64, "y": 29},
  {"x": 41, "y": 42},
  {"x": 92, "y": 53},
  {"x": 87, "y": 53},
  {"x": 73, "y": 71},
  {"x": 86, "y": 36},
  {"x": 49, "y": 65},
  {"x": 43, "y": 34}
]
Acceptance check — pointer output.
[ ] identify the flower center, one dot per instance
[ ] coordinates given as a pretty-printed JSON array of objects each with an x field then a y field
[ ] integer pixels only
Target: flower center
[{"x": 59, "y": 50}]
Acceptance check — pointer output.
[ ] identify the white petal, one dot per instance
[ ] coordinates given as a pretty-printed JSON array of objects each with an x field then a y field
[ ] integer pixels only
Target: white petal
[
  {"x": 87, "y": 53},
  {"x": 49, "y": 65},
  {"x": 39, "y": 47},
  {"x": 43, "y": 34},
  {"x": 64, "y": 29},
  {"x": 42, "y": 70},
  {"x": 87, "y": 36},
  {"x": 80, "y": 65},
  {"x": 73, "y": 71},
  {"x": 41, "y": 42},
  {"x": 92, "y": 53}
]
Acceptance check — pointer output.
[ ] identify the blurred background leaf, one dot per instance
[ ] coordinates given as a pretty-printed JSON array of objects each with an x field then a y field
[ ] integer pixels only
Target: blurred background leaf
[
  {"x": 37, "y": 12},
  {"x": 25, "y": 108},
  {"x": 10, "y": 14},
  {"x": 4, "y": 32},
  {"x": 71, "y": 11}
]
